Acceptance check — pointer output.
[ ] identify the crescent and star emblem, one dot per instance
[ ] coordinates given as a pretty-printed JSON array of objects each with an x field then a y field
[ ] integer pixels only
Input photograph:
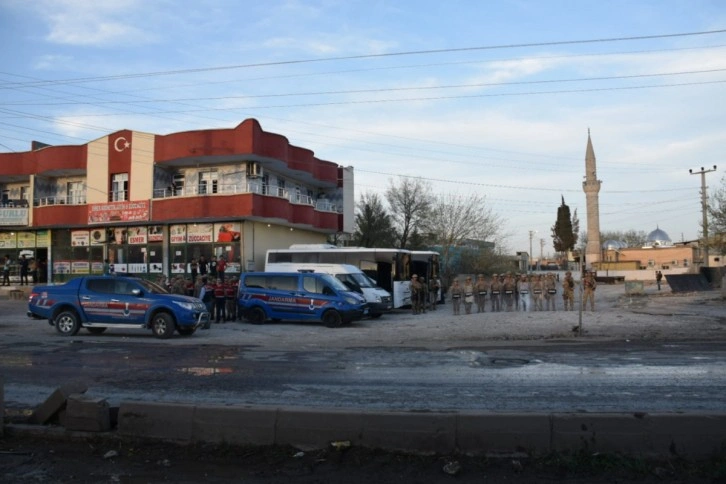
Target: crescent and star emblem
[{"x": 124, "y": 144}]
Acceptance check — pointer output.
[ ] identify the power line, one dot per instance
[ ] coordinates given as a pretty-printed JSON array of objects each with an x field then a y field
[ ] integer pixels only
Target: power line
[{"x": 367, "y": 56}]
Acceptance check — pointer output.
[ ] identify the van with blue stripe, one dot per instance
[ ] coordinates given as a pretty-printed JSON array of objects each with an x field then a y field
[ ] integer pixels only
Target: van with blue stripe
[{"x": 298, "y": 296}]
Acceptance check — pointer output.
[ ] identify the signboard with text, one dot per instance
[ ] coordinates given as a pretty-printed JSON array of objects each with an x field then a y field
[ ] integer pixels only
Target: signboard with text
[{"x": 126, "y": 211}]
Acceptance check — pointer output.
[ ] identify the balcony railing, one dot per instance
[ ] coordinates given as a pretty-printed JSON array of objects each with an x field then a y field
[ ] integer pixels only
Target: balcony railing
[
  {"x": 44, "y": 201},
  {"x": 248, "y": 187}
]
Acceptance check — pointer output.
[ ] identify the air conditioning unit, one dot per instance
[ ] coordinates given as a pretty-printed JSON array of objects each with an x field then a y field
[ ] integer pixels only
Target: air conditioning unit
[{"x": 254, "y": 170}]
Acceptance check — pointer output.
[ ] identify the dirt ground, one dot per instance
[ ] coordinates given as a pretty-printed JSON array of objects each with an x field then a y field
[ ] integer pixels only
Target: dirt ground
[{"x": 658, "y": 315}]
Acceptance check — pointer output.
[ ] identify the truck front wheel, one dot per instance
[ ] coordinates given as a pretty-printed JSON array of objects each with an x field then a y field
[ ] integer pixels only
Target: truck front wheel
[
  {"x": 67, "y": 323},
  {"x": 162, "y": 325}
]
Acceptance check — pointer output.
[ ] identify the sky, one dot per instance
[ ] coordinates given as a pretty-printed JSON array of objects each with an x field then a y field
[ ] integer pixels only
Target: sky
[{"x": 494, "y": 98}]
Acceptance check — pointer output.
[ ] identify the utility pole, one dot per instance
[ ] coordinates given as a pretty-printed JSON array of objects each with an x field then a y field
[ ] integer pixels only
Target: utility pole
[
  {"x": 541, "y": 248},
  {"x": 704, "y": 210},
  {"x": 531, "y": 255}
]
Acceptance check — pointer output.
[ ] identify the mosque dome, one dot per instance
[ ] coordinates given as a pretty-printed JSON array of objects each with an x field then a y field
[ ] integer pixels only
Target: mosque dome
[
  {"x": 613, "y": 244},
  {"x": 658, "y": 238}
]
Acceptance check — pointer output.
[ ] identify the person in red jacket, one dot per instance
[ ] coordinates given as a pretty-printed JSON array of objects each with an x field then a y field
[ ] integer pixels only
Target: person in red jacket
[
  {"x": 219, "y": 301},
  {"x": 221, "y": 267},
  {"x": 230, "y": 297}
]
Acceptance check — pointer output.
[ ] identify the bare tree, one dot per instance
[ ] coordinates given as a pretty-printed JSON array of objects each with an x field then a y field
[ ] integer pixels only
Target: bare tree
[
  {"x": 409, "y": 202},
  {"x": 455, "y": 219}
]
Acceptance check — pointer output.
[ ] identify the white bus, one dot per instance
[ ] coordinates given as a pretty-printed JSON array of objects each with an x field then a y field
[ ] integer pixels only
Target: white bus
[{"x": 390, "y": 268}]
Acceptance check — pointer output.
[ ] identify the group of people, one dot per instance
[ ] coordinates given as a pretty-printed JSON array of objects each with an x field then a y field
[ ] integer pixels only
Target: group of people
[
  {"x": 218, "y": 295},
  {"x": 424, "y": 294},
  {"x": 26, "y": 268},
  {"x": 212, "y": 269},
  {"x": 519, "y": 292}
]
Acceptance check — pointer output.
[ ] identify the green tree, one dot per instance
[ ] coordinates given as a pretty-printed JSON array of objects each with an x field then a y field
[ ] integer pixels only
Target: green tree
[
  {"x": 373, "y": 225},
  {"x": 565, "y": 229}
]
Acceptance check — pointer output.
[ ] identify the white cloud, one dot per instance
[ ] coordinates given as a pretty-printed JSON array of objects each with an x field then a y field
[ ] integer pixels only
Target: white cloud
[{"x": 79, "y": 22}]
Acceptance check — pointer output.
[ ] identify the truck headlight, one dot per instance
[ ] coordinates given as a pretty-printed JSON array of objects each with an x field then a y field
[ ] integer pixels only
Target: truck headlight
[{"x": 186, "y": 305}]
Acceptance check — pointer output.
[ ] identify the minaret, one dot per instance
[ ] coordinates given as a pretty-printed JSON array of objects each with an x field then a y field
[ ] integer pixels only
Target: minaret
[{"x": 591, "y": 187}]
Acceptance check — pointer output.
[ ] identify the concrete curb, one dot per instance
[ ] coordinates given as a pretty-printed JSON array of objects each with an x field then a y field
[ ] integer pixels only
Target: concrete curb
[{"x": 686, "y": 435}]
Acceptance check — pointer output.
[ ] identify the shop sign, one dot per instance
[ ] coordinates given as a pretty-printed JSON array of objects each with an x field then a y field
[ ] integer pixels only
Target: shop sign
[
  {"x": 178, "y": 234},
  {"x": 13, "y": 216},
  {"x": 137, "y": 235},
  {"x": 137, "y": 268},
  {"x": 227, "y": 232},
  {"x": 80, "y": 238},
  {"x": 99, "y": 213},
  {"x": 200, "y": 234},
  {"x": 62, "y": 267},
  {"x": 26, "y": 239},
  {"x": 156, "y": 233},
  {"x": 8, "y": 240},
  {"x": 80, "y": 267},
  {"x": 42, "y": 238}
]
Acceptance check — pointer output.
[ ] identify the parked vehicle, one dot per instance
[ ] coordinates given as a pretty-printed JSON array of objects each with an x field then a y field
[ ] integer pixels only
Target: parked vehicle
[
  {"x": 298, "y": 296},
  {"x": 379, "y": 300},
  {"x": 100, "y": 302}
]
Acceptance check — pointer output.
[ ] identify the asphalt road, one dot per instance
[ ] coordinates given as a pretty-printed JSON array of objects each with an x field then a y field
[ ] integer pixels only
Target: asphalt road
[{"x": 551, "y": 375}]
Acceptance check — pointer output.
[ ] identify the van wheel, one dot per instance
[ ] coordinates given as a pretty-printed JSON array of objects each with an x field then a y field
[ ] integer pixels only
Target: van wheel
[
  {"x": 162, "y": 325},
  {"x": 256, "y": 315},
  {"x": 332, "y": 319}
]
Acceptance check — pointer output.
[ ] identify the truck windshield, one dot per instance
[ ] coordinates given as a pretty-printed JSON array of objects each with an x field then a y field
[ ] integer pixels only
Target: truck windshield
[{"x": 152, "y": 287}]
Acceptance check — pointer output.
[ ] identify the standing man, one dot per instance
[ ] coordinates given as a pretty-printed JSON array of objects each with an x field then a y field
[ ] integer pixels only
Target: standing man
[
  {"x": 589, "y": 286},
  {"x": 480, "y": 293},
  {"x": 550, "y": 291},
  {"x": 523, "y": 288},
  {"x": 508, "y": 287},
  {"x": 568, "y": 292},
  {"x": 219, "y": 302},
  {"x": 468, "y": 295},
  {"x": 416, "y": 289},
  {"x": 434, "y": 287},
  {"x": 456, "y": 293},
  {"x": 537, "y": 288},
  {"x": 23, "y": 270},
  {"x": 658, "y": 278},
  {"x": 422, "y": 303},
  {"x": 496, "y": 288},
  {"x": 6, "y": 271},
  {"x": 221, "y": 267}
]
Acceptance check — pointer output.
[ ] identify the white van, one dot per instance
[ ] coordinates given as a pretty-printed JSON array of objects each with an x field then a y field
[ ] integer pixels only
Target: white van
[{"x": 379, "y": 300}]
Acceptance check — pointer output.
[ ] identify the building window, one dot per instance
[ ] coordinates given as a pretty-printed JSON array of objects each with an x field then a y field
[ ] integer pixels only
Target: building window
[
  {"x": 24, "y": 192},
  {"x": 207, "y": 182},
  {"x": 119, "y": 187},
  {"x": 177, "y": 185},
  {"x": 76, "y": 193}
]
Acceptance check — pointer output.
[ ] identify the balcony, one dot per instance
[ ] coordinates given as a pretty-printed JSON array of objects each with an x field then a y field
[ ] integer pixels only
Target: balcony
[
  {"x": 72, "y": 200},
  {"x": 246, "y": 188}
]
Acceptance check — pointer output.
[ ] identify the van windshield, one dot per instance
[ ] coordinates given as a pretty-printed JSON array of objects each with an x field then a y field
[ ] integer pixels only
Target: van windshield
[
  {"x": 360, "y": 279},
  {"x": 334, "y": 283}
]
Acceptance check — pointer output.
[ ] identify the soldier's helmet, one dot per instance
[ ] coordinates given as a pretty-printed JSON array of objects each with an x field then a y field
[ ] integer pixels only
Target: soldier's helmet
[
  {"x": 414, "y": 276},
  {"x": 480, "y": 276},
  {"x": 495, "y": 275},
  {"x": 568, "y": 273}
]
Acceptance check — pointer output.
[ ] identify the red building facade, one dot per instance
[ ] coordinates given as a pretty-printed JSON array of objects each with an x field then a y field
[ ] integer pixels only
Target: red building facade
[{"x": 151, "y": 204}]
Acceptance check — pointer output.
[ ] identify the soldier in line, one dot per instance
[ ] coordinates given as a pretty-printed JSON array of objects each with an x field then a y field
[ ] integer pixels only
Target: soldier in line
[
  {"x": 496, "y": 289},
  {"x": 550, "y": 286},
  {"x": 468, "y": 295},
  {"x": 480, "y": 293},
  {"x": 537, "y": 292},
  {"x": 456, "y": 293},
  {"x": 416, "y": 289},
  {"x": 568, "y": 291},
  {"x": 423, "y": 294},
  {"x": 434, "y": 287},
  {"x": 508, "y": 287},
  {"x": 589, "y": 286},
  {"x": 523, "y": 290}
]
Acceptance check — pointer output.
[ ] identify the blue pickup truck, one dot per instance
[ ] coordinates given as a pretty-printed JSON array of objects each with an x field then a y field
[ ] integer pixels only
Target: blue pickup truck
[{"x": 100, "y": 302}]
